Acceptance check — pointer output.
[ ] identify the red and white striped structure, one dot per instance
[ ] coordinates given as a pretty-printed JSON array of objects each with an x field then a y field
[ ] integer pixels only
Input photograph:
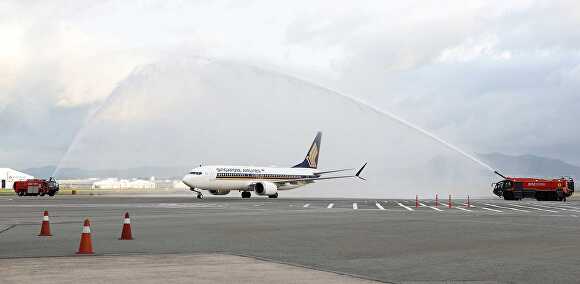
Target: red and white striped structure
[
  {"x": 45, "y": 227},
  {"x": 86, "y": 245},
  {"x": 126, "y": 233}
]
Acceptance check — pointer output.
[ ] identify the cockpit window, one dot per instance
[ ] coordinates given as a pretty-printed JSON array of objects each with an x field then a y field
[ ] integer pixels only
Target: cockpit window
[
  {"x": 507, "y": 184},
  {"x": 195, "y": 173}
]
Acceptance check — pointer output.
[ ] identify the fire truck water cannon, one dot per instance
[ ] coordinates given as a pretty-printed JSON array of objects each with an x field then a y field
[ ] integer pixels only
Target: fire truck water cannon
[
  {"x": 516, "y": 188},
  {"x": 35, "y": 187}
]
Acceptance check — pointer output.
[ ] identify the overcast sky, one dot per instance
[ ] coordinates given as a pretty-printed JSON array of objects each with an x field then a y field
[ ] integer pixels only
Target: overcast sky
[{"x": 489, "y": 76}]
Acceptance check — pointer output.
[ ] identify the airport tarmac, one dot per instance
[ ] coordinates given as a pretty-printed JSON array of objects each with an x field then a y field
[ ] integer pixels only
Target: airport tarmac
[{"x": 388, "y": 240}]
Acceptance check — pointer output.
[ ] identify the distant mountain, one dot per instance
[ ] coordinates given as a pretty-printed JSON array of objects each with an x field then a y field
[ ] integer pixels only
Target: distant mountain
[
  {"x": 138, "y": 172},
  {"x": 444, "y": 170},
  {"x": 531, "y": 165}
]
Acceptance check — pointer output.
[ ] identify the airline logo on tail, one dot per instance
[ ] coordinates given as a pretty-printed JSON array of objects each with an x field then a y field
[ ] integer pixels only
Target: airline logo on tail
[
  {"x": 312, "y": 157},
  {"x": 311, "y": 160}
]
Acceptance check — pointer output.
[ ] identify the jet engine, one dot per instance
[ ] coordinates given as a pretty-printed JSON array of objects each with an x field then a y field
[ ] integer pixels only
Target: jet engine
[
  {"x": 219, "y": 191},
  {"x": 265, "y": 188}
]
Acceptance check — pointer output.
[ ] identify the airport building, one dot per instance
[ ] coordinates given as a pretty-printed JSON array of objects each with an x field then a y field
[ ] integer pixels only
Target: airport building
[
  {"x": 114, "y": 183},
  {"x": 120, "y": 184},
  {"x": 9, "y": 176}
]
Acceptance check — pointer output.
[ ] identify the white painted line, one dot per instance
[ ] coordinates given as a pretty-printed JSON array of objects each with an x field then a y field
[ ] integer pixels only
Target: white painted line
[
  {"x": 552, "y": 207},
  {"x": 408, "y": 208},
  {"x": 330, "y": 205},
  {"x": 461, "y": 208},
  {"x": 434, "y": 208},
  {"x": 570, "y": 207},
  {"x": 491, "y": 209},
  {"x": 530, "y": 207},
  {"x": 515, "y": 209},
  {"x": 306, "y": 205},
  {"x": 354, "y": 206},
  {"x": 379, "y": 206}
]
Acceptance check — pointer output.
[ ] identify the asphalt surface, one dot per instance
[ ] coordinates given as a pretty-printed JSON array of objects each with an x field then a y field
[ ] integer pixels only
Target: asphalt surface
[
  {"x": 386, "y": 240},
  {"x": 166, "y": 268}
]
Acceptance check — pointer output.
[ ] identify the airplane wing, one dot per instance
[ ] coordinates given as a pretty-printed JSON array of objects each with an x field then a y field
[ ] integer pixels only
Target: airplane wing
[
  {"x": 332, "y": 171},
  {"x": 323, "y": 178}
]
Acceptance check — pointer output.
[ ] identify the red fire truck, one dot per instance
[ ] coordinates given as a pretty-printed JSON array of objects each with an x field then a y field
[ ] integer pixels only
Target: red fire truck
[
  {"x": 511, "y": 188},
  {"x": 36, "y": 187}
]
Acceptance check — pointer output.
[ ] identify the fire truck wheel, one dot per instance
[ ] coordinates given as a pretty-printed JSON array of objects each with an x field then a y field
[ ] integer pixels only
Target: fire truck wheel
[
  {"x": 51, "y": 194},
  {"x": 508, "y": 196},
  {"x": 42, "y": 194},
  {"x": 560, "y": 195}
]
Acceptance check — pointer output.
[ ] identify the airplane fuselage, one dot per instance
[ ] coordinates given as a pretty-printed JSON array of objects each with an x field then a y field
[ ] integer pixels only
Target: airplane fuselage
[{"x": 242, "y": 178}]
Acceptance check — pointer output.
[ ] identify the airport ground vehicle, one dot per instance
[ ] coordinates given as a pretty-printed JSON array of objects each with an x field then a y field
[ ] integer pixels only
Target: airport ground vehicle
[
  {"x": 511, "y": 188},
  {"x": 36, "y": 187}
]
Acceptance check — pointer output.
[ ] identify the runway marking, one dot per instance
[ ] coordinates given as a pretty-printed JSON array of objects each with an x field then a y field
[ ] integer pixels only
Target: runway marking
[
  {"x": 330, "y": 205},
  {"x": 554, "y": 207},
  {"x": 379, "y": 206},
  {"x": 408, "y": 208},
  {"x": 461, "y": 208},
  {"x": 445, "y": 204},
  {"x": 354, "y": 206},
  {"x": 491, "y": 209},
  {"x": 515, "y": 209},
  {"x": 570, "y": 206},
  {"x": 306, "y": 205},
  {"x": 530, "y": 207},
  {"x": 434, "y": 208}
]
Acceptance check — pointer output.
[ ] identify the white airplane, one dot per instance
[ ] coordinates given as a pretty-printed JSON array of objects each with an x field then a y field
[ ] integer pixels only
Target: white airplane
[{"x": 266, "y": 181}]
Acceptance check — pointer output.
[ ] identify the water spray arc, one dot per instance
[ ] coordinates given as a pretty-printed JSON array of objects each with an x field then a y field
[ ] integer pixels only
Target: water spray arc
[
  {"x": 355, "y": 100},
  {"x": 394, "y": 117},
  {"x": 89, "y": 119}
]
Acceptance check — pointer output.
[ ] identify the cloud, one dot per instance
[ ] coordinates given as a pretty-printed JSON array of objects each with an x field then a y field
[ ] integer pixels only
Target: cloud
[{"x": 490, "y": 76}]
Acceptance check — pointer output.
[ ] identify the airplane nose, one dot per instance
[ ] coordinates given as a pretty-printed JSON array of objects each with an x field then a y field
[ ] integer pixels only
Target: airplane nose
[{"x": 187, "y": 180}]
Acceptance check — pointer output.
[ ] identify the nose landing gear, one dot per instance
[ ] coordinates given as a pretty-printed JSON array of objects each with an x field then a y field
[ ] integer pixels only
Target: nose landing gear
[{"x": 199, "y": 194}]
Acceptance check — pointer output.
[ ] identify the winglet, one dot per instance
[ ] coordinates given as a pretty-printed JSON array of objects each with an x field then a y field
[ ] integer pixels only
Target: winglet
[{"x": 360, "y": 171}]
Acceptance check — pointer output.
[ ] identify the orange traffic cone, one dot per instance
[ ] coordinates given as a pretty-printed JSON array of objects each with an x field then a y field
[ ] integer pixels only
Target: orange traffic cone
[
  {"x": 126, "y": 234},
  {"x": 468, "y": 205},
  {"x": 45, "y": 227},
  {"x": 450, "y": 204},
  {"x": 86, "y": 245},
  {"x": 416, "y": 201}
]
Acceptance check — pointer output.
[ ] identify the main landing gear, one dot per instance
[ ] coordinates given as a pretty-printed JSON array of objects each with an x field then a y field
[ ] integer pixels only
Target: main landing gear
[
  {"x": 273, "y": 195},
  {"x": 246, "y": 194}
]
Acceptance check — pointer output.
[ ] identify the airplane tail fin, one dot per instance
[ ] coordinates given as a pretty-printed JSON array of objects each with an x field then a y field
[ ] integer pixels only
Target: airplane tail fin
[{"x": 311, "y": 160}]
